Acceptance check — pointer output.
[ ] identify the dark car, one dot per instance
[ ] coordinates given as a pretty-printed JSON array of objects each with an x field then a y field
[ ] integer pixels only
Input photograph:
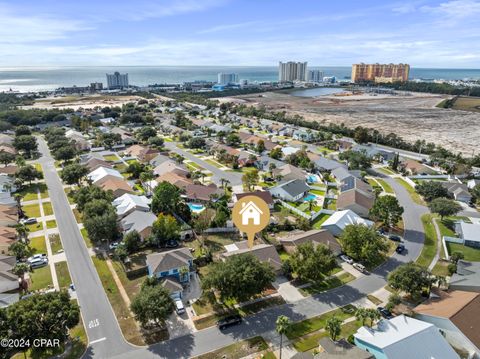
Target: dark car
[
  {"x": 229, "y": 321},
  {"x": 385, "y": 312},
  {"x": 171, "y": 244},
  {"x": 395, "y": 238},
  {"x": 400, "y": 248}
]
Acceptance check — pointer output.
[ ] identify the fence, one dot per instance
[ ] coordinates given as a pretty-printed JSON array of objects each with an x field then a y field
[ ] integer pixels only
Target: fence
[
  {"x": 294, "y": 210},
  {"x": 222, "y": 230},
  {"x": 446, "y": 239}
]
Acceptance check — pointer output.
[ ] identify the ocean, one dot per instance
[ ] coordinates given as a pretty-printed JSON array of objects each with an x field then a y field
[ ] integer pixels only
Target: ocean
[{"x": 26, "y": 79}]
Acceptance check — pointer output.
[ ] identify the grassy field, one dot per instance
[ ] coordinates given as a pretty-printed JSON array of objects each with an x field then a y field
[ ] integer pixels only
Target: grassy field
[
  {"x": 55, "y": 243},
  {"x": 63, "y": 274},
  {"x": 78, "y": 215},
  {"x": 214, "y": 163},
  {"x": 430, "y": 245},
  {"x": 374, "y": 299},
  {"x": 47, "y": 208},
  {"x": 38, "y": 245},
  {"x": 32, "y": 210},
  {"x": 386, "y": 187},
  {"x": 88, "y": 242},
  {"x": 471, "y": 254},
  {"x": 41, "y": 278},
  {"x": 238, "y": 350},
  {"x": 413, "y": 194},
  {"x": 467, "y": 104},
  {"x": 111, "y": 158},
  {"x": 333, "y": 282},
  {"x": 385, "y": 170},
  {"x": 35, "y": 227},
  {"x": 29, "y": 193},
  {"x": 317, "y": 224},
  {"x": 51, "y": 224}
]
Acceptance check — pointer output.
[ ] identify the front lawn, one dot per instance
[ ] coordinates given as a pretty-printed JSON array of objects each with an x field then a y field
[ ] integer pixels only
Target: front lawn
[
  {"x": 32, "y": 210},
  {"x": 38, "y": 245},
  {"x": 41, "y": 278},
  {"x": 214, "y": 163},
  {"x": 87, "y": 240},
  {"x": 471, "y": 254},
  {"x": 55, "y": 243},
  {"x": 430, "y": 244},
  {"x": 51, "y": 224},
  {"x": 413, "y": 194},
  {"x": 63, "y": 275},
  {"x": 240, "y": 349},
  {"x": 111, "y": 158},
  {"x": 47, "y": 208},
  {"x": 34, "y": 227},
  {"x": 78, "y": 215},
  {"x": 327, "y": 284},
  {"x": 386, "y": 187}
]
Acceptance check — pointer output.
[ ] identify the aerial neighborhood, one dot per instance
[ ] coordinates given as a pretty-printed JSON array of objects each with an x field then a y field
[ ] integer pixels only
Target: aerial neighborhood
[{"x": 144, "y": 192}]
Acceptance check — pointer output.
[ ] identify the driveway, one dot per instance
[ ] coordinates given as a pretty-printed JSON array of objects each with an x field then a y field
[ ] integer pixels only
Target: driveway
[{"x": 288, "y": 291}]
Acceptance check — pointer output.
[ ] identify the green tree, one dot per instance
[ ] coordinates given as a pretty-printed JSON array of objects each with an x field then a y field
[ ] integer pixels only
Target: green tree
[
  {"x": 311, "y": 263},
  {"x": 361, "y": 315},
  {"x": 357, "y": 160},
  {"x": 131, "y": 241},
  {"x": 431, "y": 190},
  {"x": 361, "y": 135},
  {"x": 136, "y": 169},
  {"x": 240, "y": 277},
  {"x": 387, "y": 210},
  {"x": 334, "y": 327},
  {"x": 363, "y": 243},
  {"x": 282, "y": 325},
  {"x": 65, "y": 153},
  {"x": 260, "y": 146},
  {"x": 410, "y": 278},
  {"x": 276, "y": 153},
  {"x": 26, "y": 144},
  {"x": 233, "y": 140},
  {"x": 20, "y": 250},
  {"x": 373, "y": 315},
  {"x": 456, "y": 256},
  {"x": 73, "y": 173},
  {"x": 476, "y": 193},
  {"x": 444, "y": 207},
  {"x": 22, "y": 130},
  {"x": 86, "y": 194},
  {"x": 166, "y": 197},
  {"x": 196, "y": 142},
  {"x": 152, "y": 304},
  {"x": 165, "y": 228},
  {"x": 28, "y": 173},
  {"x": 156, "y": 141},
  {"x": 100, "y": 220},
  {"x": 6, "y": 158},
  {"x": 145, "y": 133},
  {"x": 250, "y": 179}
]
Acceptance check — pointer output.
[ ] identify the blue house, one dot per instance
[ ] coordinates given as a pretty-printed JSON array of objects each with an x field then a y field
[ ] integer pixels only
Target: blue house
[{"x": 169, "y": 264}]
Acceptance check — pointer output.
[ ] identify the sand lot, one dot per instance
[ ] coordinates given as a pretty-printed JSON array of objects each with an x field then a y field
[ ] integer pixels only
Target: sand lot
[
  {"x": 85, "y": 102},
  {"x": 412, "y": 117}
]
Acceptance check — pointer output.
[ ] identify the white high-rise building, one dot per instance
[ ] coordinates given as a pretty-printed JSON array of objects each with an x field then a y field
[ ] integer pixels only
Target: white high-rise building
[
  {"x": 117, "y": 81},
  {"x": 315, "y": 76},
  {"x": 227, "y": 78},
  {"x": 292, "y": 71}
]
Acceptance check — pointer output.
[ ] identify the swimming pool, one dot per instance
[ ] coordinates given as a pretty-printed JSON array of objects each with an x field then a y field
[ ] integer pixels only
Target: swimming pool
[
  {"x": 309, "y": 197},
  {"x": 312, "y": 179},
  {"x": 196, "y": 208}
]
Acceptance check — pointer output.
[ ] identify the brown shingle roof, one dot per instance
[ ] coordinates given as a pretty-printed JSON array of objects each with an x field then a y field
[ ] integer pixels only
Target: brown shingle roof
[
  {"x": 264, "y": 252},
  {"x": 265, "y": 195},
  {"x": 115, "y": 184},
  {"x": 318, "y": 236},
  {"x": 348, "y": 198},
  {"x": 9, "y": 170},
  {"x": 203, "y": 193}
]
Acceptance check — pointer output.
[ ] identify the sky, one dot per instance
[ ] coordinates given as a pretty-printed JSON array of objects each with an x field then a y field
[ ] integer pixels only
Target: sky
[{"x": 439, "y": 34}]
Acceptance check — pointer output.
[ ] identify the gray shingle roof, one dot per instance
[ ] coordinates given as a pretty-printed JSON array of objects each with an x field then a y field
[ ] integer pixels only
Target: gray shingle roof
[
  {"x": 295, "y": 187},
  {"x": 165, "y": 261}
]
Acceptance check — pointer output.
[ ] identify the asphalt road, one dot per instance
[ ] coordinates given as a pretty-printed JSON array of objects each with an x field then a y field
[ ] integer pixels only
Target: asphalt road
[
  {"x": 235, "y": 178},
  {"x": 102, "y": 328},
  {"x": 210, "y": 339}
]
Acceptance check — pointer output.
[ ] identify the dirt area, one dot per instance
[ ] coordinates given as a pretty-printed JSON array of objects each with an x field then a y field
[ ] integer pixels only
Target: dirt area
[
  {"x": 412, "y": 117},
  {"x": 85, "y": 102}
]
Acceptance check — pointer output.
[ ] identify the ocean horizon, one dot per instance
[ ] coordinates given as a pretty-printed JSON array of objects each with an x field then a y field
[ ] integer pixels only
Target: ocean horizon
[{"x": 35, "y": 78}]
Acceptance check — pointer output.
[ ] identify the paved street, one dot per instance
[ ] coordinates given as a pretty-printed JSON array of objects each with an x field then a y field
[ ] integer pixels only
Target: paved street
[
  {"x": 235, "y": 178},
  {"x": 102, "y": 328}
]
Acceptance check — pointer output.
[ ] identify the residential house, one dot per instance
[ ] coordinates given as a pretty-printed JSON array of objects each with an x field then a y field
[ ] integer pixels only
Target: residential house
[
  {"x": 340, "y": 349},
  {"x": 173, "y": 287},
  {"x": 459, "y": 191},
  {"x": 93, "y": 163},
  {"x": 467, "y": 277},
  {"x": 8, "y": 170},
  {"x": 158, "y": 160},
  {"x": 140, "y": 221},
  {"x": 253, "y": 140},
  {"x": 171, "y": 167},
  {"x": 81, "y": 143},
  {"x": 304, "y": 135},
  {"x": 175, "y": 179},
  {"x": 374, "y": 152},
  {"x": 8, "y": 236},
  {"x": 345, "y": 143},
  {"x": 404, "y": 337},
  {"x": 289, "y": 150},
  {"x": 7, "y": 184},
  {"x": 8, "y": 281},
  {"x": 118, "y": 186},
  {"x": 342, "y": 173},
  {"x": 266, "y": 253},
  {"x": 355, "y": 195},
  {"x": 470, "y": 184},
  {"x": 220, "y": 128},
  {"x": 265, "y": 195},
  {"x": 8, "y": 219},
  {"x": 414, "y": 167},
  {"x": 6, "y": 139},
  {"x": 314, "y": 236},
  {"x": 169, "y": 264},
  {"x": 337, "y": 222},
  {"x": 263, "y": 163},
  {"x": 288, "y": 172},
  {"x": 456, "y": 314},
  {"x": 103, "y": 173},
  {"x": 128, "y": 203},
  {"x": 197, "y": 192},
  {"x": 291, "y": 191},
  {"x": 142, "y": 153},
  {"x": 126, "y": 136},
  {"x": 107, "y": 120},
  {"x": 8, "y": 149},
  {"x": 469, "y": 232},
  {"x": 324, "y": 164}
]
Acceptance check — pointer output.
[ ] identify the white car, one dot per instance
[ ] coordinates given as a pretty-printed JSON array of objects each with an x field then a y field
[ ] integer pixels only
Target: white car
[
  {"x": 359, "y": 267},
  {"x": 346, "y": 259},
  {"x": 113, "y": 245},
  {"x": 179, "y": 307},
  {"x": 39, "y": 262},
  {"x": 36, "y": 257},
  {"x": 28, "y": 221}
]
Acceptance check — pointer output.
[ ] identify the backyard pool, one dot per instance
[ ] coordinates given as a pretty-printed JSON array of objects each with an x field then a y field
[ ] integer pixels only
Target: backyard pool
[
  {"x": 309, "y": 197},
  {"x": 196, "y": 208},
  {"x": 312, "y": 178}
]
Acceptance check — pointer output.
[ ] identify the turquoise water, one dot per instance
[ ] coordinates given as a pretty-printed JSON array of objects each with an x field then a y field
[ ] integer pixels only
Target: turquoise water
[
  {"x": 49, "y": 78},
  {"x": 196, "y": 207},
  {"x": 312, "y": 179},
  {"x": 309, "y": 197}
]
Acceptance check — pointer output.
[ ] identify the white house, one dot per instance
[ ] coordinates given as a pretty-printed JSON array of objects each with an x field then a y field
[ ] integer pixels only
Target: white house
[
  {"x": 128, "y": 203},
  {"x": 102, "y": 172},
  {"x": 337, "y": 222},
  {"x": 292, "y": 191},
  {"x": 250, "y": 211}
]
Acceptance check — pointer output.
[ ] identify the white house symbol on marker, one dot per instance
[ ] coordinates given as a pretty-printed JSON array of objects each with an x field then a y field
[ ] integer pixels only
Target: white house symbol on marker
[{"x": 250, "y": 211}]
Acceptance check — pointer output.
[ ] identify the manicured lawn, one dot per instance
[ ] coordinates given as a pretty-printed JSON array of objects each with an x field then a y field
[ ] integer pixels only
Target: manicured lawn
[
  {"x": 441, "y": 268},
  {"x": 43, "y": 190},
  {"x": 194, "y": 165},
  {"x": 51, "y": 224},
  {"x": 446, "y": 227},
  {"x": 413, "y": 194},
  {"x": 87, "y": 240},
  {"x": 317, "y": 192},
  {"x": 131, "y": 161},
  {"x": 125, "y": 319},
  {"x": 78, "y": 215},
  {"x": 38, "y": 167},
  {"x": 38, "y": 245},
  {"x": 120, "y": 167},
  {"x": 430, "y": 245},
  {"x": 35, "y": 227},
  {"x": 333, "y": 282},
  {"x": 132, "y": 286},
  {"x": 41, "y": 278},
  {"x": 55, "y": 243},
  {"x": 386, "y": 187},
  {"x": 306, "y": 326},
  {"x": 471, "y": 254},
  {"x": 111, "y": 158},
  {"x": 63, "y": 275},
  {"x": 330, "y": 204},
  {"x": 47, "y": 208},
  {"x": 239, "y": 349},
  {"x": 214, "y": 163},
  {"x": 319, "y": 220},
  {"x": 374, "y": 299},
  {"x": 29, "y": 193},
  {"x": 32, "y": 210},
  {"x": 385, "y": 170}
]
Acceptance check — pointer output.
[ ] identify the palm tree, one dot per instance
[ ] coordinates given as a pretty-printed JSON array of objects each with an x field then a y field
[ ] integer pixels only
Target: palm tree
[
  {"x": 334, "y": 327},
  {"x": 361, "y": 315},
  {"x": 373, "y": 315},
  {"x": 283, "y": 323},
  {"x": 146, "y": 177},
  {"x": 22, "y": 231},
  {"x": 310, "y": 204},
  {"x": 183, "y": 271},
  {"x": 20, "y": 161}
]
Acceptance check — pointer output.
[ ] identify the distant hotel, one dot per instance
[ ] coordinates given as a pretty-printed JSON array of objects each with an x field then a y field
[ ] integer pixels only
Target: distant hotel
[
  {"x": 292, "y": 71},
  {"x": 380, "y": 73},
  {"x": 225, "y": 78},
  {"x": 117, "y": 81},
  {"x": 315, "y": 76}
]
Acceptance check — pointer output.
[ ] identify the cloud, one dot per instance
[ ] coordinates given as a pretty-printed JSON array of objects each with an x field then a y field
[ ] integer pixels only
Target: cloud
[{"x": 456, "y": 9}]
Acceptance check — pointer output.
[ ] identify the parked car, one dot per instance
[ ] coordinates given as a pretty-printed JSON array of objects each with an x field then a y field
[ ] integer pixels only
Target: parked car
[
  {"x": 28, "y": 221},
  {"x": 229, "y": 321},
  {"x": 395, "y": 238},
  {"x": 400, "y": 248},
  {"x": 385, "y": 312},
  {"x": 113, "y": 245},
  {"x": 359, "y": 267},
  {"x": 39, "y": 262},
  {"x": 36, "y": 257},
  {"x": 346, "y": 259},
  {"x": 179, "y": 307},
  {"x": 172, "y": 244}
]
